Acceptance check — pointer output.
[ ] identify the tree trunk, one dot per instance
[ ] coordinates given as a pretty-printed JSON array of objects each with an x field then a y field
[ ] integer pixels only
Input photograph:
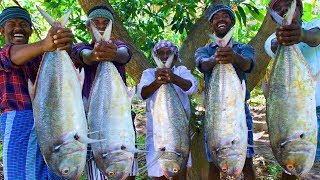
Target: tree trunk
[
  {"x": 197, "y": 37},
  {"x": 262, "y": 59},
  {"x": 139, "y": 61}
]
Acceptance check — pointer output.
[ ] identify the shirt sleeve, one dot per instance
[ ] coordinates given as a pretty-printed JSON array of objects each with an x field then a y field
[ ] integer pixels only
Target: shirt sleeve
[
  {"x": 201, "y": 54},
  {"x": 146, "y": 79},
  {"x": 120, "y": 44},
  {"x": 312, "y": 24},
  {"x": 185, "y": 73},
  {"x": 76, "y": 54},
  {"x": 6, "y": 64},
  {"x": 267, "y": 45},
  {"x": 248, "y": 53}
]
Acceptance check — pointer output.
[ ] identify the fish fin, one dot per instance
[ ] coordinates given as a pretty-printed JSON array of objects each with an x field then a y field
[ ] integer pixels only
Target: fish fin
[
  {"x": 169, "y": 61},
  {"x": 107, "y": 32},
  {"x": 275, "y": 16},
  {"x": 131, "y": 92},
  {"x": 287, "y": 19},
  {"x": 94, "y": 132},
  {"x": 222, "y": 42},
  {"x": 95, "y": 32},
  {"x": 244, "y": 89},
  {"x": 64, "y": 19},
  {"x": 31, "y": 89},
  {"x": 157, "y": 61},
  {"x": 265, "y": 89},
  {"x": 86, "y": 140},
  {"x": 289, "y": 15},
  {"x": 47, "y": 17}
]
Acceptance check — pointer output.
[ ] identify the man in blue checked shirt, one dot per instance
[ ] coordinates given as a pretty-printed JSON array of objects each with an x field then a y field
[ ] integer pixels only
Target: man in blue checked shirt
[{"x": 241, "y": 56}]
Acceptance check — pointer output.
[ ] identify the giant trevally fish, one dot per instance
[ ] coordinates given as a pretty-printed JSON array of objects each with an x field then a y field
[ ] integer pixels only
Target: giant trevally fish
[
  {"x": 171, "y": 134},
  {"x": 291, "y": 106},
  {"x": 60, "y": 121},
  {"x": 109, "y": 118},
  {"x": 225, "y": 125}
]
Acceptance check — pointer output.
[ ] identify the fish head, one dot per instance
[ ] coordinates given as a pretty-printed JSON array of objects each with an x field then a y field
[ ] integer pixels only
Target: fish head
[
  {"x": 229, "y": 155},
  {"x": 297, "y": 157},
  {"x": 170, "y": 168},
  {"x": 230, "y": 162},
  {"x": 116, "y": 165},
  {"x": 68, "y": 160}
]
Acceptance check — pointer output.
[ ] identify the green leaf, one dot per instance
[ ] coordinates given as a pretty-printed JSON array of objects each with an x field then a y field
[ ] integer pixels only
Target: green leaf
[
  {"x": 239, "y": 18},
  {"x": 242, "y": 15},
  {"x": 160, "y": 22}
]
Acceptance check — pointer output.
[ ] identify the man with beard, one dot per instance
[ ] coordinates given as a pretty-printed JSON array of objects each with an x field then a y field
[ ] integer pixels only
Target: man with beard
[
  {"x": 88, "y": 56},
  {"x": 307, "y": 37},
  {"x": 241, "y": 56},
  {"x": 22, "y": 158}
]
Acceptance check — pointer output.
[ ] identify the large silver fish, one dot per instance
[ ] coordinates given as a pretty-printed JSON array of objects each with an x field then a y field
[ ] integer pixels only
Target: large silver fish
[
  {"x": 225, "y": 125},
  {"x": 60, "y": 121},
  {"x": 291, "y": 107},
  {"x": 171, "y": 133},
  {"x": 109, "y": 118}
]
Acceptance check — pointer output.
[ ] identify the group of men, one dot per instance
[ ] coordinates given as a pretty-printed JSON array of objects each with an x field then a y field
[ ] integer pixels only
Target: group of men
[{"x": 20, "y": 61}]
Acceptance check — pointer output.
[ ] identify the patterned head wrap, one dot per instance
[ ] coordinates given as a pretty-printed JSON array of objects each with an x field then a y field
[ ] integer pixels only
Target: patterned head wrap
[
  {"x": 99, "y": 12},
  {"x": 169, "y": 45},
  {"x": 273, "y": 2},
  {"x": 14, "y": 12},
  {"x": 221, "y": 7}
]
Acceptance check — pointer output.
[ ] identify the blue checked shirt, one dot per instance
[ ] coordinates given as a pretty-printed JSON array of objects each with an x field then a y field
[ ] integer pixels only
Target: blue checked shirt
[{"x": 209, "y": 50}]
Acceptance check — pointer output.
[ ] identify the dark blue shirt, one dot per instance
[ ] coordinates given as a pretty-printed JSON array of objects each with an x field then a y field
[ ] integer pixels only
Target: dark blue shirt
[{"x": 245, "y": 50}]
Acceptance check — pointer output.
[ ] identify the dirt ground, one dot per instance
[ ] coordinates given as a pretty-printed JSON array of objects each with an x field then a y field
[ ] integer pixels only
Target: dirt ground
[{"x": 263, "y": 154}]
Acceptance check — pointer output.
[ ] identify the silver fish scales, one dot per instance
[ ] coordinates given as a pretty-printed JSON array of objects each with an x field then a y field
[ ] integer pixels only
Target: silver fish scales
[
  {"x": 60, "y": 120},
  {"x": 291, "y": 108}
]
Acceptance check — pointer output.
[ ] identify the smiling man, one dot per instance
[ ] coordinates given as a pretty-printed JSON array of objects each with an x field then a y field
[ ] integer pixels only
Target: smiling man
[
  {"x": 241, "y": 56},
  {"x": 19, "y": 61}
]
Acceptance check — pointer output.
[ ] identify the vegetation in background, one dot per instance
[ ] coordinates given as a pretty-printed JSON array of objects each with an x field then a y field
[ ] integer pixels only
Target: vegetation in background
[
  {"x": 274, "y": 171},
  {"x": 148, "y": 21}
]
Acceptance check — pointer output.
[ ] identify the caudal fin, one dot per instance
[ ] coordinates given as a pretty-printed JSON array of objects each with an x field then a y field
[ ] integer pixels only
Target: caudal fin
[
  {"x": 287, "y": 19},
  {"x": 222, "y": 42},
  {"x": 61, "y": 22}
]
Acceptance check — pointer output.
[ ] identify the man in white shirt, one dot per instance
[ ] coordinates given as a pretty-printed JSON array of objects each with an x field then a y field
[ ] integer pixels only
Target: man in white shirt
[{"x": 184, "y": 83}]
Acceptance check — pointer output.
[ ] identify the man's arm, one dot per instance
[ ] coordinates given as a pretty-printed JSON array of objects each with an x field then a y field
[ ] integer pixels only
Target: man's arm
[
  {"x": 293, "y": 34},
  {"x": 57, "y": 38}
]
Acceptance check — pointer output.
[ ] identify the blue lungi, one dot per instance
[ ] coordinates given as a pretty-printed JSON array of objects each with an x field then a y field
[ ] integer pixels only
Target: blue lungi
[
  {"x": 22, "y": 158},
  {"x": 250, "y": 150}
]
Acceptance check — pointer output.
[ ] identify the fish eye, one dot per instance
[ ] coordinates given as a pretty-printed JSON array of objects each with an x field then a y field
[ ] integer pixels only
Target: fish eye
[
  {"x": 175, "y": 170},
  {"x": 65, "y": 171},
  {"x": 233, "y": 142},
  {"x": 302, "y": 135},
  {"x": 111, "y": 173}
]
